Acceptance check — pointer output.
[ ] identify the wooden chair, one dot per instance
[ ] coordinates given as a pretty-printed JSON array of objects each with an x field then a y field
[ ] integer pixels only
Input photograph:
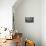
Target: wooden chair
[{"x": 18, "y": 39}]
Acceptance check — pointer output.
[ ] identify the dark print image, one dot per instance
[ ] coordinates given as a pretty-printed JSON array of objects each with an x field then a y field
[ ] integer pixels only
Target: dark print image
[{"x": 29, "y": 19}]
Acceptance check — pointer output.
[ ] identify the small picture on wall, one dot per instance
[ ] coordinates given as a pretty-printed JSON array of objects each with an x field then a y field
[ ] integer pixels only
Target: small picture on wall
[{"x": 29, "y": 19}]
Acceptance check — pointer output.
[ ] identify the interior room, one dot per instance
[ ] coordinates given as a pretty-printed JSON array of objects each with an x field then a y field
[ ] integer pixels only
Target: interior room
[{"x": 22, "y": 22}]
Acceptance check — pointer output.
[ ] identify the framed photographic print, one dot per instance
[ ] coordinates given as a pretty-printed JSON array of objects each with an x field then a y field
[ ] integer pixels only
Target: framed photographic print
[{"x": 29, "y": 19}]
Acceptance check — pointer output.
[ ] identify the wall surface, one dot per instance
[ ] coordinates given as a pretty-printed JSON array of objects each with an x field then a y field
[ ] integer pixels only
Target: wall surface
[
  {"x": 43, "y": 22},
  {"x": 29, "y": 8}
]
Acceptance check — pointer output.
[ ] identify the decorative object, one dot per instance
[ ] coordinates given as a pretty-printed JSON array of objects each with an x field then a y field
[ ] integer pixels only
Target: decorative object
[
  {"x": 29, "y": 19},
  {"x": 29, "y": 43},
  {"x": 8, "y": 34}
]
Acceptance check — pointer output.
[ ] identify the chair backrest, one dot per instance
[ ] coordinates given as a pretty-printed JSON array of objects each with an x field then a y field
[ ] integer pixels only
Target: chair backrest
[{"x": 18, "y": 39}]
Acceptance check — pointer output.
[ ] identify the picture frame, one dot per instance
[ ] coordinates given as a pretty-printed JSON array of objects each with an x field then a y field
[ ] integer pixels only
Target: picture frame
[{"x": 29, "y": 19}]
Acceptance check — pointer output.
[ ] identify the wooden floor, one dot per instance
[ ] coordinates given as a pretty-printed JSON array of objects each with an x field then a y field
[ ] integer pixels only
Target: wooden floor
[{"x": 9, "y": 43}]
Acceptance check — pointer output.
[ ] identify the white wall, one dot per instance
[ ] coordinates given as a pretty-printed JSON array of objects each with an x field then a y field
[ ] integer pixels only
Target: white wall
[
  {"x": 6, "y": 13},
  {"x": 43, "y": 22},
  {"x": 30, "y": 8}
]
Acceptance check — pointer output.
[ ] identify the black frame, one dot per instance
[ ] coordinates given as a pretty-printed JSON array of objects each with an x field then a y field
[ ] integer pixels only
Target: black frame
[{"x": 29, "y": 19}]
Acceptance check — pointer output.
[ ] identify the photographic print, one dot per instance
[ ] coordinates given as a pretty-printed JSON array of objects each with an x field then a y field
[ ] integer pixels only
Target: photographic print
[{"x": 29, "y": 19}]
